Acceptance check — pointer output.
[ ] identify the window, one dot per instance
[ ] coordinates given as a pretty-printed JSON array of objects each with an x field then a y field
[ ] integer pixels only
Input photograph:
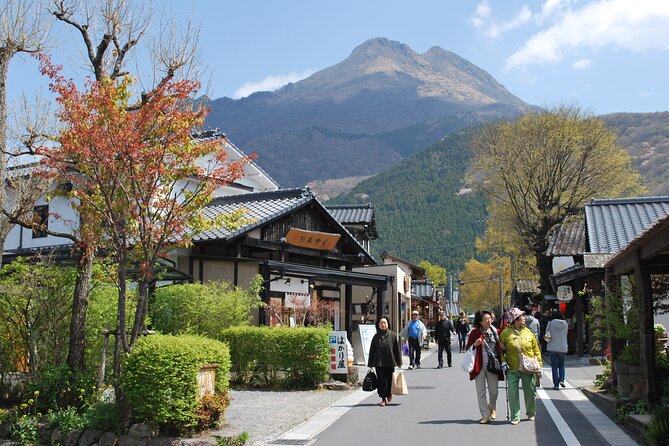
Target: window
[{"x": 41, "y": 218}]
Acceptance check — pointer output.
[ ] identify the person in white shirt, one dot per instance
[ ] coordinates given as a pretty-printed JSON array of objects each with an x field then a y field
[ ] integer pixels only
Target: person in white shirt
[{"x": 556, "y": 344}]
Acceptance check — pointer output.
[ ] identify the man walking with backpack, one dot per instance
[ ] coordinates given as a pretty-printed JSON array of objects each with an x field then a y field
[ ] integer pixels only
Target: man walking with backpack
[{"x": 442, "y": 333}]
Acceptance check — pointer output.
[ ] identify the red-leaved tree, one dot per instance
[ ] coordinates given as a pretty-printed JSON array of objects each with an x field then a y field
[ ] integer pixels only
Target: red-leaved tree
[{"x": 139, "y": 175}]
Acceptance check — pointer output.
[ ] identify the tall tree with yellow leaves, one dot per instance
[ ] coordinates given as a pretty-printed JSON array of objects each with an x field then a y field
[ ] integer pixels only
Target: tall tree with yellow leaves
[{"x": 544, "y": 167}]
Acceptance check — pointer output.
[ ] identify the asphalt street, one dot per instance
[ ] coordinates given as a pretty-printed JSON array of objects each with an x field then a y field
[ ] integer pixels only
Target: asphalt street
[{"x": 441, "y": 406}]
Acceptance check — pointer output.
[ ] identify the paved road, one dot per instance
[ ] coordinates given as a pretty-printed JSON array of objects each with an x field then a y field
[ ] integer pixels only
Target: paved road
[{"x": 441, "y": 407}]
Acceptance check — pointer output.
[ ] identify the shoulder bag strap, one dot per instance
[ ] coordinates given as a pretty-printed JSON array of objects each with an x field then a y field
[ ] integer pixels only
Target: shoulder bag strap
[{"x": 520, "y": 352}]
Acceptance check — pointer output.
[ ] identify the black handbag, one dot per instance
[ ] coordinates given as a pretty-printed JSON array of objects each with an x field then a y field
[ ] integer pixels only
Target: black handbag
[
  {"x": 369, "y": 383},
  {"x": 493, "y": 364}
]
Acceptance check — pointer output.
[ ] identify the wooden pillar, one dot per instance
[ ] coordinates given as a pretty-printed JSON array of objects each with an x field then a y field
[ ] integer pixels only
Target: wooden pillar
[
  {"x": 612, "y": 291},
  {"x": 646, "y": 331},
  {"x": 348, "y": 309},
  {"x": 263, "y": 312},
  {"x": 380, "y": 301}
]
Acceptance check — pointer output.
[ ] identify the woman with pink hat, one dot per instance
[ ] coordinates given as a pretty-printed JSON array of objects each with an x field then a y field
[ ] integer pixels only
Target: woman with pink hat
[{"x": 520, "y": 341}]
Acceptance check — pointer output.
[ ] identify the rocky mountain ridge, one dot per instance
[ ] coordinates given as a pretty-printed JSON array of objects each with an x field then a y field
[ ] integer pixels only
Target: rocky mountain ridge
[{"x": 363, "y": 114}]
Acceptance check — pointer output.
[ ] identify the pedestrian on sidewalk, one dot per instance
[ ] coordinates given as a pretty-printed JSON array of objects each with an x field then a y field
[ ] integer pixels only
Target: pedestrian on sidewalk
[
  {"x": 485, "y": 338},
  {"x": 517, "y": 338},
  {"x": 534, "y": 326},
  {"x": 416, "y": 333},
  {"x": 544, "y": 319},
  {"x": 556, "y": 339},
  {"x": 442, "y": 333},
  {"x": 462, "y": 328},
  {"x": 384, "y": 354}
]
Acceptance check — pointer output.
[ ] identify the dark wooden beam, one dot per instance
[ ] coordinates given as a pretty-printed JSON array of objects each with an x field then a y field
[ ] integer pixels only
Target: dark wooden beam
[{"x": 646, "y": 331}]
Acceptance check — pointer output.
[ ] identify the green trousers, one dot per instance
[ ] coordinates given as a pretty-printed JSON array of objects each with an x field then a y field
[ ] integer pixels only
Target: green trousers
[{"x": 529, "y": 392}]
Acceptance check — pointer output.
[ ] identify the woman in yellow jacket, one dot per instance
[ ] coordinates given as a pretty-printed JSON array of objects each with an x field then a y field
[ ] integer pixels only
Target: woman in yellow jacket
[{"x": 516, "y": 336}]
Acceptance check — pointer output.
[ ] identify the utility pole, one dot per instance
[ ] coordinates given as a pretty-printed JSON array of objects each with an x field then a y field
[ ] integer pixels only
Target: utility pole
[{"x": 450, "y": 292}]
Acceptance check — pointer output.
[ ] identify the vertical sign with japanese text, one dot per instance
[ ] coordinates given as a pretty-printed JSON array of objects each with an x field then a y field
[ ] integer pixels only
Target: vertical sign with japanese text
[{"x": 338, "y": 353}]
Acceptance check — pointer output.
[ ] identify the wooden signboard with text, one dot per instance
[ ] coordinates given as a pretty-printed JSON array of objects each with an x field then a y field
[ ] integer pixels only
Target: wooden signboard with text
[{"x": 312, "y": 239}]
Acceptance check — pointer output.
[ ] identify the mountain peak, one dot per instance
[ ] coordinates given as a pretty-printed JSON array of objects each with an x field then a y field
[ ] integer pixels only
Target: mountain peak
[{"x": 381, "y": 45}]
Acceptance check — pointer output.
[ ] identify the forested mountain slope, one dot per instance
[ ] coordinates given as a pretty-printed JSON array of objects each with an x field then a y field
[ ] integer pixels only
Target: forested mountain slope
[
  {"x": 645, "y": 136},
  {"x": 422, "y": 210}
]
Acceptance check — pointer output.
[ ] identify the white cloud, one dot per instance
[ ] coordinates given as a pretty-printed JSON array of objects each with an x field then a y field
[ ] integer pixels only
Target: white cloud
[
  {"x": 581, "y": 64},
  {"x": 271, "y": 83},
  {"x": 482, "y": 18},
  {"x": 643, "y": 26},
  {"x": 497, "y": 29},
  {"x": 552, "y": 9},
  {"x": 481, "y": 15}
]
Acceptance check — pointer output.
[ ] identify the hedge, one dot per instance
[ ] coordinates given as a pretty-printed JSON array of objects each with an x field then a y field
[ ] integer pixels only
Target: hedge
[
  {"x": 279, "y": 357},
  {"x": 160, "y": 378}
]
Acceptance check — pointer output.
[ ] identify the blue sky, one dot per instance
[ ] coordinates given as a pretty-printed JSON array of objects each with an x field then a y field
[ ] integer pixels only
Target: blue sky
[{"x": 605, "y": 55}]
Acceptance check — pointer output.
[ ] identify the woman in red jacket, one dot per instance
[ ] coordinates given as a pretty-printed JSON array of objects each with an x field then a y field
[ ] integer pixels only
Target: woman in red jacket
[{"x": 487, "y": 365}]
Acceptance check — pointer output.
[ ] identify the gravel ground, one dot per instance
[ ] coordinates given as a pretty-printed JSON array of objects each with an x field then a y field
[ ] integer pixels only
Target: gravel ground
[{"x": 267, "y": 415}]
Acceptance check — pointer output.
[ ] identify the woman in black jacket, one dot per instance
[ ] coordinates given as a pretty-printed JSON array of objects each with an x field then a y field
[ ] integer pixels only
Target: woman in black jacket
[{"x": 384, "y": 354}]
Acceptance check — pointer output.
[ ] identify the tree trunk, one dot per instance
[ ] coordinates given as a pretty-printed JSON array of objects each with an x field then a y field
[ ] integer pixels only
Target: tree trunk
[
  {"x": 75, "y": 355},
  {"x": 545, "y": 267},
  {"x": 4, "y": 70}
]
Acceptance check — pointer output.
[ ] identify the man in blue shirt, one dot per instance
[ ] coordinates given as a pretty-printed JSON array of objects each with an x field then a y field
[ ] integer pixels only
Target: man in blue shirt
[{"x": 416, "y": 333}]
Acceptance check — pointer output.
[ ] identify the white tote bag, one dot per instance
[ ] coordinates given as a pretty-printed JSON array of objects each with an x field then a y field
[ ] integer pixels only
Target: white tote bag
[{"x": 470, "y": 357}]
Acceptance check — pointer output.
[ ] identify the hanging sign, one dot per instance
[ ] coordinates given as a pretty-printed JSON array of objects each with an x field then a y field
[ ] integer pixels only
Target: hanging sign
[
  {"x": 564, "y": 293},
  {"x": 312, "y": 239},
  {"x": 338, "y": 352}
]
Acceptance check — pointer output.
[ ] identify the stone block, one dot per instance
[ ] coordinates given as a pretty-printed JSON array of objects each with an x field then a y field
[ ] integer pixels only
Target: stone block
[
  {"x": 108, "y": 439},
  {"x": 203, "y": 441},
  {"x": 56, "y": 437},
  {"x": 143, "y": 430},
  {"x": 164, "y": 441},
  {"x": 44, "y": 433},
  {"x": 89, "y": 437},
  {"x": 128, "y": 440},
  {"x": 72, "y": 438}
]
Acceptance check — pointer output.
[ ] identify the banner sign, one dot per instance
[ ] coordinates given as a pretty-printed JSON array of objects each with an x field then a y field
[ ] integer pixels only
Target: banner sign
[
  {"x": 312, "y": 239},
  {"x": 367, "y": 332},
  {"x": 564, "y": 293},
  {"x": 338, "y": 353}
]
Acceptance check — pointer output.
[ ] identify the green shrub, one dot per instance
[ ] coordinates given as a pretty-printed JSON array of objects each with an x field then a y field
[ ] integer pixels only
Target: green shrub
[
  {"x": 239, "y": 440},
  {"x": 278, "y": 356},
  {"x": 103, "y": 417},
  {"x": 66, "y": 420},
  {"x": 160, "y": 378},
  {"x": 101, "y": 315},
  {"x": 204, "y": 308},
  {"x": 657, "y": 432},
  {"x": 25, "y": 430},
  {"x": 57, "y": 388},
  {"x": 211, "y": 408}
]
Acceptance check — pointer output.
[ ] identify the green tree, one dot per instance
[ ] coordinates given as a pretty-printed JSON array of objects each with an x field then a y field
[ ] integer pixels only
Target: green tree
[
  {"x": 479, "y": 286},
  {"x": 435, "y": 273},
  {"x": 544, "y": 167},
  {"x": 204, "y": 308},
  {"x": 35, "y": 302}
]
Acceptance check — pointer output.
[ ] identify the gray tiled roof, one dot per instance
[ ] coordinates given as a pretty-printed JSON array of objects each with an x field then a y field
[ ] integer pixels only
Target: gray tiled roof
[
  {"x": 568, "y": 239},
  {"x": 422, "y": 289},
  {"x": 352, "y": 213},
  {"x": 612, "y": 223},
  {"x": 527, "y": 286},
  {"x": 261, "y": 207}
]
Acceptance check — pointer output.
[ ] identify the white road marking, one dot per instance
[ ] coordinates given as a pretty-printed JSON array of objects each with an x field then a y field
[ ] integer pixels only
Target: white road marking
[{"x": 560, "y": 423}]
